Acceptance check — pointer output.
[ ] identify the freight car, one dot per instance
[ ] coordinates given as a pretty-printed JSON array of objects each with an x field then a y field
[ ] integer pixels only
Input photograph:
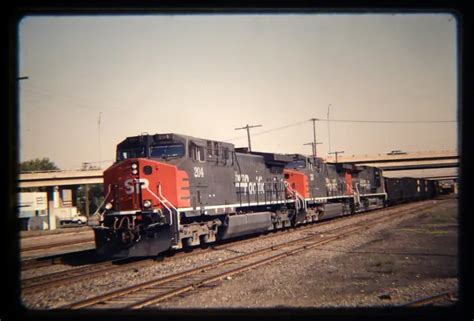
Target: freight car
[
  {"x": 168, "y": 191},
  {"x": 408, "y": 189}
]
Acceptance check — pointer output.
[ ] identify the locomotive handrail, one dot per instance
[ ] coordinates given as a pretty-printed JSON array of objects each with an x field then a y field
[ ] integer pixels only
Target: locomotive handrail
[
  {"x": 356, "y": 194},
  {"x": 163, "y": 202},
  {"x": 234, "y": 155},
  {"x": 165, "y": 199},
  {"x": 296, "y": 195},
  {"x": 102, "y": 204}
]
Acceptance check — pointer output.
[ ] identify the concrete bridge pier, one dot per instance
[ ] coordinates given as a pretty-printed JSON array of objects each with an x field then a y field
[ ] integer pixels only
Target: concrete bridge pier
[{"x": 53, "y": 203}]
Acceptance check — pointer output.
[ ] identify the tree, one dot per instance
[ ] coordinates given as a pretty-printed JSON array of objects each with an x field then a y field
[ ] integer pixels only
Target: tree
[
  {"x": 96, "y": 197},
  {"x": 37, "y": 164}
]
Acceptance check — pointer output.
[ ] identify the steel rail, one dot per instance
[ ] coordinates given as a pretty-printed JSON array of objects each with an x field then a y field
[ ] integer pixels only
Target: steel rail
[
  {"x": 28, "y": 264},
  {"x": 431, "y": 299},
  {"x": 63, "y": 231},
  {"x": 308, "y": 243},
  {"x": 74, "y": 275},
  {"x": 68, "y": 276},
  {"x": 80, "y": 241},
  {"x": 183, "y": 281}
]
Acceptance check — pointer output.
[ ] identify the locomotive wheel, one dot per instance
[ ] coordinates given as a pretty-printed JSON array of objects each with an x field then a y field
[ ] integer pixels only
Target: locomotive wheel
[
  {"x": 203, "y": 244},
  {"x": 186, "y": 247}
]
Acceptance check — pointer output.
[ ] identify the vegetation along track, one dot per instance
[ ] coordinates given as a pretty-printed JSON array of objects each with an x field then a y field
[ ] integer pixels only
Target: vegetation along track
[
  {"x": 150, "y": 293},
  {"x": 43, "y": 282}
]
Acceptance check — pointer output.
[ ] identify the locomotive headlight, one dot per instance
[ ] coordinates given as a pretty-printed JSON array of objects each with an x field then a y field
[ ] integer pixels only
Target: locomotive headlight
[
  {"x": 134, "y": 166},
  {"x": 134, "y": 171},
  {"x": 147, "y": 203},
  {"x": 108, "y": 206}
]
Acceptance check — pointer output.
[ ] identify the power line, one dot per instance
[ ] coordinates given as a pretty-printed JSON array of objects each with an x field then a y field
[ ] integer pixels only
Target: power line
[
  {"x": 313, "y": 146},
  {"x": 268, "y": 131},
  {"x": 247, "y": 127},
  {"x": 314, "y": 136},
  {"x": 329, "y": 130},
  {"x": 389, "y": 121},
  {"x": 347, "y": 121},
  {"x": 337, "y": 153}
]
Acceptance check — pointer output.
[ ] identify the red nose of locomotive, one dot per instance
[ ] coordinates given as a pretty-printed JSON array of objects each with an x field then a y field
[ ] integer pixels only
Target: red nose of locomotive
[
  {"x": 139, "y": 184},
  {"x": 143, "y": 198}
]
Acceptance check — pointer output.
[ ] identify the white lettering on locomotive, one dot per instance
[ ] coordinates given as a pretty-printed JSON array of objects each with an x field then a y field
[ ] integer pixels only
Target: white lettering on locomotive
[
  {"x": 198, "y": 172},
  {"x": 242, "y": 182},
  {"x": 331, "y": 184},
  {"x": 131, "y": 183},
  {"x": 364, "y": 183},
  {"x": 260, "y": 185}
]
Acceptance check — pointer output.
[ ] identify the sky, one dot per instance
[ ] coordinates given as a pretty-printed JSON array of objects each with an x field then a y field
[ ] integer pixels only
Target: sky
[{"x": 205, "y": 75}]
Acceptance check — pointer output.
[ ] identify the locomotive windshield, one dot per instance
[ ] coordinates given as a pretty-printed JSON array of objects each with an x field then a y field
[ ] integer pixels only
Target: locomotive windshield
[
  {"x": 134, "y": 152},
  {"x": 300, "y": 163},
  {"x": 167, "y": 150}
]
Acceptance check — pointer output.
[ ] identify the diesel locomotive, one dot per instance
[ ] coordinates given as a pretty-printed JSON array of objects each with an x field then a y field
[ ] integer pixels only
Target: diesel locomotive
[{"x": 169, "y": 191}]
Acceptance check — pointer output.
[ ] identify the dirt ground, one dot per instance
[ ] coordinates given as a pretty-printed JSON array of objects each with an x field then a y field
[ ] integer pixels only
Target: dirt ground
[{"x": 389, "y": 265}]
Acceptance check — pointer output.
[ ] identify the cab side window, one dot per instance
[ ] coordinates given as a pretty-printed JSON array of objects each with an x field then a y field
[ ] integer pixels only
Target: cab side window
[
  {"x": 209, "y": 149},
  {"x": 196, "y": 152}
]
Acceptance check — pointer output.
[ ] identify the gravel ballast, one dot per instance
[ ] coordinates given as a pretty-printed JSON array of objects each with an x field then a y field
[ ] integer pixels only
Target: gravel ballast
[{"x": 389, "y": 264}]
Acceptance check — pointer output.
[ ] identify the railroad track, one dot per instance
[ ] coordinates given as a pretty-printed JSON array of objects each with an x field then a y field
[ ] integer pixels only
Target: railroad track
[
  {"x": 68, "y": 276},
  {"x": 81, "y": 241},
  {"x": 448, "y": 295},
  {"x": 42, "y": 282},
  {"x": 48, "y": 281},
  {"x": 60, "y": 231},
  {"x": 152, "y": 292},
  {"x": 35, "y": 263}
]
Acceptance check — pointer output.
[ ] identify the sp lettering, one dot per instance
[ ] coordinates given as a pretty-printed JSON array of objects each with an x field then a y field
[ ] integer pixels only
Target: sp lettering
[{"x": 131, "y": 185}]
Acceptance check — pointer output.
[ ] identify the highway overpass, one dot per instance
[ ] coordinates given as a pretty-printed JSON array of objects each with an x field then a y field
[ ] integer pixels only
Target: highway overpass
[
  {"x": 431, "y": 160},
  {"x": 404, "y": 161},
  {"x": 60, "y": 178}
]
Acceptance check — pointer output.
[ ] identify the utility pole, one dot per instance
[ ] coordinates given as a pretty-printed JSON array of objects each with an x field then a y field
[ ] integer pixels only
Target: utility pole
[
  {"x": 339, "y": 152},
  {"x": 248, "y": 132},
  {"x": 86, "y": 194},
  {"x": 312, "y": 146},
  {"x": 100, "y": 156},
  {"x": 314, "y": 136},
  {"x": 329, "y": 131}
]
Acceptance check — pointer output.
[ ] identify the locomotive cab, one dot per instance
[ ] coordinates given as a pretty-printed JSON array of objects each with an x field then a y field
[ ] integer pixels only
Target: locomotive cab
[
  {"x": 157, "y": 181},
  {"x": 144, "y": 188}
]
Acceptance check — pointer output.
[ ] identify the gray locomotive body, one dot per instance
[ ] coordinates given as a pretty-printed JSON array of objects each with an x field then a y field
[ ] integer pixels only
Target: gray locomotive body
[{"x": 169, "y": 191}]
